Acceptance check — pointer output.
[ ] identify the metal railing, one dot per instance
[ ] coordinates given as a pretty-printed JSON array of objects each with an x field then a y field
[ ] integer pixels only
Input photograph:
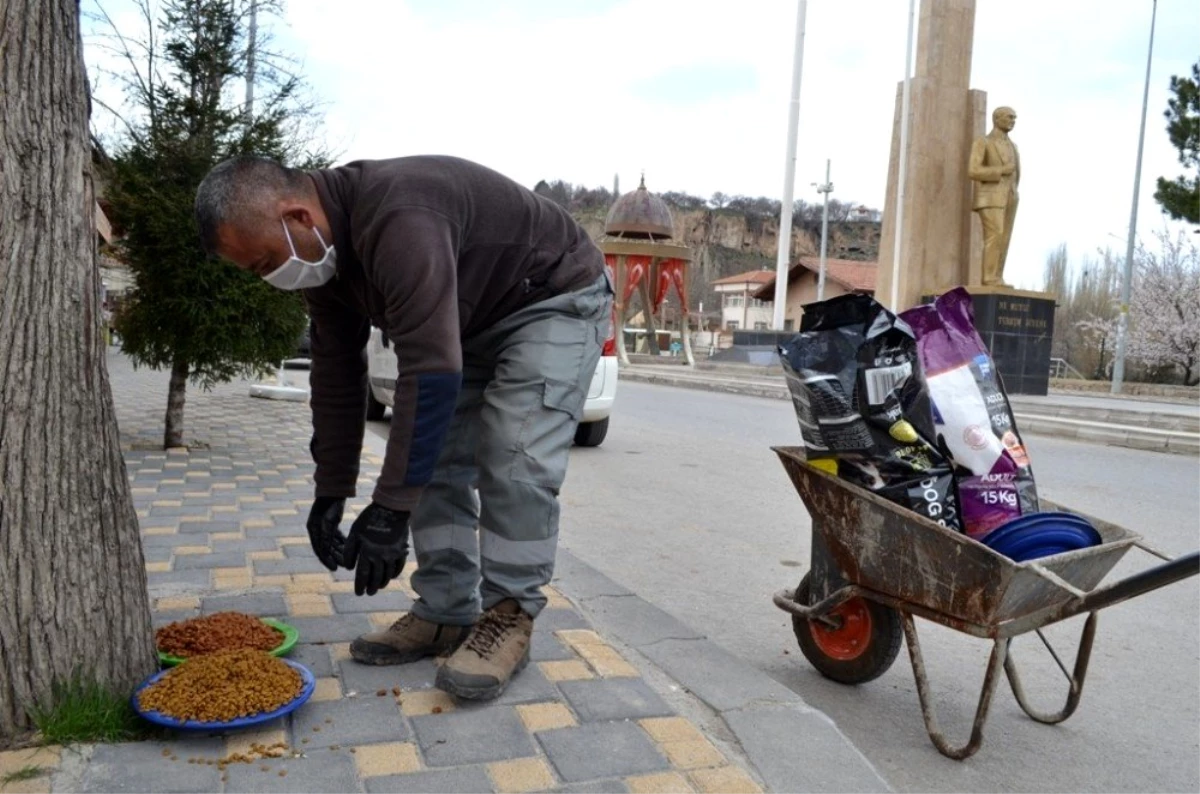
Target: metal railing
[{"x": 1059, "y": 368}]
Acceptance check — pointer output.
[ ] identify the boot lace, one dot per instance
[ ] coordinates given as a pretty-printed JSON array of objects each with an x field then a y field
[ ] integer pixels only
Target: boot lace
[
  {"x": 489, "y": 631},
  {"x": 402, "y": 622}
]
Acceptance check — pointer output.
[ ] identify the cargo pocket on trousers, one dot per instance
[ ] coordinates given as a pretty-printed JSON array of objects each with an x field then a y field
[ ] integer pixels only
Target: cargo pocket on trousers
[{"x": 546, "y": 437}]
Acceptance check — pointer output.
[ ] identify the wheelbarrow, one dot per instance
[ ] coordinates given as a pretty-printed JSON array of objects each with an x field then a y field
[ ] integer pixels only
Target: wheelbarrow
[{"x": 876, "y": 566}]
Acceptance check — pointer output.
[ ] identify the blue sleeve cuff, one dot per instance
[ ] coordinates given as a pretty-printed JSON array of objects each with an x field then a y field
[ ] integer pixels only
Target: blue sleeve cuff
[{"x": 437, "y": 396}]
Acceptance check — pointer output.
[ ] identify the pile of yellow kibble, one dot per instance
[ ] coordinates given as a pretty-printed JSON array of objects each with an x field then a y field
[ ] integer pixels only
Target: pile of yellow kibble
[{"x": 223, "y": 686}]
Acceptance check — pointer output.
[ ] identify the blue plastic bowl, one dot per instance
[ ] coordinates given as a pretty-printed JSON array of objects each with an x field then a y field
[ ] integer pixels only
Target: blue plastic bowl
[
  {"x": 1037, "y": 535},
  {"x": 309, "y": 683}
]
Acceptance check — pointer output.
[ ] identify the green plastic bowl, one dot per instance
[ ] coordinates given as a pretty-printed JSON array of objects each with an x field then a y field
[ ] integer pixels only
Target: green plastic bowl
[{"x": 290, "y": 637}]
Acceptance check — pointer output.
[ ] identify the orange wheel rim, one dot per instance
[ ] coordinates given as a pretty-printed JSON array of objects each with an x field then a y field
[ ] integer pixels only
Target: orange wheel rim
[{"x": 851, "y": 639}]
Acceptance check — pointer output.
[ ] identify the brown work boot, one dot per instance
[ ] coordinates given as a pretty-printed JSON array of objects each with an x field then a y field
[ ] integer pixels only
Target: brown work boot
[
  {"x": 408, "y": 639},
  {"x": 496, "y": 649}
]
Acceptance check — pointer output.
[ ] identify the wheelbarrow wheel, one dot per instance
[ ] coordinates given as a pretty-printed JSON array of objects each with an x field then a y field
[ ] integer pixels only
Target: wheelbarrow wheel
[{"x": 861, "y": 649}]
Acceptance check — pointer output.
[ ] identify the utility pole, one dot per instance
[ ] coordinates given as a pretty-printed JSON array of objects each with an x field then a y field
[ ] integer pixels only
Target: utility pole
[
  {"x": 789, "y": 173},
  {"x": 1127, "y": 283},
  {"x": 825, "y": 188},
  {"x": 251, "y": 57},
  {"x": 902, "y": 171},
  {"x": 283, "y": 389}
]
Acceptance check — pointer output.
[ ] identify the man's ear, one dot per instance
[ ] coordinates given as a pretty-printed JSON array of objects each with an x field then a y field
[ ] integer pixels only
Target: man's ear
[{"x": 297, "y": 212}]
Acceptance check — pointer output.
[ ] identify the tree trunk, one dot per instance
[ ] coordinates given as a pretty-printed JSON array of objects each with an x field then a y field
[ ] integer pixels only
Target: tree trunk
[
  {"x": 176, "y": 392},
  {"x": 648, "y": 313},
  {"x": 74, "y": 580}
]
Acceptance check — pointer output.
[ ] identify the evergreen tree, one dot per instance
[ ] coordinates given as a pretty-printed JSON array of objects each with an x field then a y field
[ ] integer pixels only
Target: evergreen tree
[
  {"x": 1180, "y": 197},
  {"x": 205, "y": 320}
]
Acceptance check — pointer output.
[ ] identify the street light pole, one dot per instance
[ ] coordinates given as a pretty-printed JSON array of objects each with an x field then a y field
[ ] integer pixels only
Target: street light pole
[
  {"x": 825, "y": 188},
  {"x": 1127, "y": 283},
  {"x": 251, "y": 59},
  {"x": 789, "y": 173},
  {"x": 902, "y": 171}
]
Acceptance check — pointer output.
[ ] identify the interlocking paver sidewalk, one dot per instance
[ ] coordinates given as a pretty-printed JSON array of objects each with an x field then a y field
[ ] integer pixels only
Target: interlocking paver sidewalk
[{"x": 223, "y": 528}]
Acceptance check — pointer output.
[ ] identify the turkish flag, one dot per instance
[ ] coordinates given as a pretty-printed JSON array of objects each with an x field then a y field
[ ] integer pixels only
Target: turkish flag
[
  {"x": 671, "y": 272},
  {"x": 635, "y": 271}
]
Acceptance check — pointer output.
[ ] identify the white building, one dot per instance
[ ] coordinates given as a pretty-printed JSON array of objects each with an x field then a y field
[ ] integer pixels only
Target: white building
[{"x": 740, "y": 310}]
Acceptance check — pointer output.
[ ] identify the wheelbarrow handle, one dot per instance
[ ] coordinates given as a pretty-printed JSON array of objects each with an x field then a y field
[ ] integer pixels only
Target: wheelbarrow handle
[
  {"x": 1173, "y": 570},
  {"x": 784, "y": 600},
  {"x": 1170, "y": 572}
]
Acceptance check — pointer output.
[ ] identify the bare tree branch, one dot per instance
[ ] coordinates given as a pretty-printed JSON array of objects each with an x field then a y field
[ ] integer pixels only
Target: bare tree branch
[
  {"x": 129, "y": 128},
  {"x": 131, "y": 51}
]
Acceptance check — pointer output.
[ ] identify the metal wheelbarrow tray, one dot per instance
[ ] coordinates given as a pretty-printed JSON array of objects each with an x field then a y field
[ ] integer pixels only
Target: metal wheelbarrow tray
[{"x": 876, "y": 565}]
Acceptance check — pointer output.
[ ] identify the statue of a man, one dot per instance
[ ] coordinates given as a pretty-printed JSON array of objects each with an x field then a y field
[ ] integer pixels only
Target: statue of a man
[{"x": 996, "y": 169}]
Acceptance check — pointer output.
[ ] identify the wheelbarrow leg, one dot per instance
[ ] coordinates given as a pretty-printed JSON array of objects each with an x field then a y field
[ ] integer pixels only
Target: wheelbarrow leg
[
  {"x": 999, "y": 653},
  {"x": 1082, "y": 657}
]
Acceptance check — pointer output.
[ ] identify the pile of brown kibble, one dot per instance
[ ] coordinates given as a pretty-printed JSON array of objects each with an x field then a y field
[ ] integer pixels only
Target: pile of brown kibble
[
  {"x": 221, "y": 631},
  {"x": 223, "y": 686}
]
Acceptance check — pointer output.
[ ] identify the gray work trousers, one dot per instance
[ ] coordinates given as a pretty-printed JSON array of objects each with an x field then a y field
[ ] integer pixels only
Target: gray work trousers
[{"x": 486, "y": 528}]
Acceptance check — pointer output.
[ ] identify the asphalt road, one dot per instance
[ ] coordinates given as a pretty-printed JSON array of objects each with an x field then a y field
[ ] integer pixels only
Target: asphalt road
[{"x": 686, "y": 505}]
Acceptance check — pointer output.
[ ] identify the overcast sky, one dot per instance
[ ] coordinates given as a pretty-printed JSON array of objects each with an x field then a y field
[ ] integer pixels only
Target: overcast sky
[{"x": 696, "y": 94}]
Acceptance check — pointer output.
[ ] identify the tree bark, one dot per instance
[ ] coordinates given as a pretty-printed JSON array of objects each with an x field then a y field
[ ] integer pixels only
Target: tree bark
[
  {"x": 71, "y": 564},
  {"x": 176, "y": 393}
]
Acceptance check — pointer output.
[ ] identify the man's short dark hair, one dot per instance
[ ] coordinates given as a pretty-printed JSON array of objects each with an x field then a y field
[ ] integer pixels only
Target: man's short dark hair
[{"x": 238, "y": 189}]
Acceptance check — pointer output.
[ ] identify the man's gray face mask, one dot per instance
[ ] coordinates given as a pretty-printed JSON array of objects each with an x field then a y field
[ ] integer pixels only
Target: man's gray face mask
[{"x": 297, "y": 273}]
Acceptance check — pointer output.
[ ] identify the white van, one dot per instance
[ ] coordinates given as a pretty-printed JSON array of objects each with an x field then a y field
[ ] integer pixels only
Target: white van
[{"x": 593, "y": 426}]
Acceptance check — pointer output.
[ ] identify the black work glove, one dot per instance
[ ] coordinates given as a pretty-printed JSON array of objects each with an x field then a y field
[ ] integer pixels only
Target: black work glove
[
  {"x": 377, "y": 548},
  {"x": 323, "y": 533}
]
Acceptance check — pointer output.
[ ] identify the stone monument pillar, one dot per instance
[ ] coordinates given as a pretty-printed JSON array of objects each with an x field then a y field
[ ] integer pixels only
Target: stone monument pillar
[{"x": 940, "y": 243}]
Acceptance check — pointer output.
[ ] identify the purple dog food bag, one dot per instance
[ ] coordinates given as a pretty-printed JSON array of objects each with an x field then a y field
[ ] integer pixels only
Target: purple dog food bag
[{"x": 972, "y": 416}]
